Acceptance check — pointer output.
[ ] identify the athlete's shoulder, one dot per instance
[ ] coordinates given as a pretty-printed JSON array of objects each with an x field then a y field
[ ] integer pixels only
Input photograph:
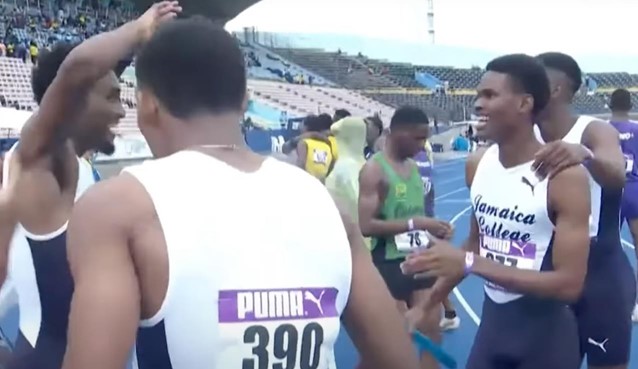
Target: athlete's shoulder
[{"x": 565, "y": 180}]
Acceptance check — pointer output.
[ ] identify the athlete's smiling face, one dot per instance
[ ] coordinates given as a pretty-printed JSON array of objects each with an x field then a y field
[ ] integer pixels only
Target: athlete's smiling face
[
  {"x": 103, "y": 112},
  {"x": 500, "y": 105}
]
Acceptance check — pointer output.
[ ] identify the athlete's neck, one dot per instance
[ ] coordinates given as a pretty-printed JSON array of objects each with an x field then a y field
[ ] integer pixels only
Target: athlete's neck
[
  {"x": 222, "y": 130},
  {"x": 557, "y": 123},
  {"x": 519, "y": 147},
  {"x": 620, "y": 116}
]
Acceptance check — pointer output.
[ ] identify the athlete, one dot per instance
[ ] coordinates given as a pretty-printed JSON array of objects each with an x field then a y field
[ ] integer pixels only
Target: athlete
[
  {"x": 79, "y": 103},
  {"x": 147, "y": 243},
  {"x": 603, "y": 313},
  {"x": 530, "y": 234},
  {"x": 620, "y": 105},
  {"x": 392, "y": 213},
  {"x": 315, "y": 156}
]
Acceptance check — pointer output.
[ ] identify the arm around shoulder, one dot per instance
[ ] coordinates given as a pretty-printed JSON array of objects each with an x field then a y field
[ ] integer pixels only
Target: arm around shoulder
[{"x": 608, "y": 164}]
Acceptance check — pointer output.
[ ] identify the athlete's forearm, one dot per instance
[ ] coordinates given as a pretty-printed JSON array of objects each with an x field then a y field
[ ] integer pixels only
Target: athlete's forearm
[
  {"x": 290, "y": 145},
  {"x": 384, "y": 228},
  {"x": 607, "y": 170},
  {"x": 549, "y": 284}
]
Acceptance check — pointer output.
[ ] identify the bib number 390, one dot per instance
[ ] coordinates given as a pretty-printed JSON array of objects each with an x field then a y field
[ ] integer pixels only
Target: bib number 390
[{"x": 286, "y": 349}]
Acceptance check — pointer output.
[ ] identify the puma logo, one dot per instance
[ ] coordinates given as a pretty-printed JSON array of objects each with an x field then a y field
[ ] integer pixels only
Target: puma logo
[
  {"x": 529, "y": 183},
  {"x": 315, "y": 300},
  {"x": 600, "y": 345}
]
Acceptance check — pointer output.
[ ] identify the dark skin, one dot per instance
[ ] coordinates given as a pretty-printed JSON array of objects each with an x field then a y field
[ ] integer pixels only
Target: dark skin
[
  {"x": 401, "y": 146},
  {"x": 119, "y": 257},
  {"x": 607, "y": 165},
  {"x": 508, "y": 118}
]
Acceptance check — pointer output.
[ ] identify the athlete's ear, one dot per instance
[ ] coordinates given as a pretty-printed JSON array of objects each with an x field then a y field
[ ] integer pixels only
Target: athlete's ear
[
  {"x": 527, "y": 103},
  {"x": 148, "y": 107}
]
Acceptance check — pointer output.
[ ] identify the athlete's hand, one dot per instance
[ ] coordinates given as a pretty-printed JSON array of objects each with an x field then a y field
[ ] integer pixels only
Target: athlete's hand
[
  {"x": 558, "y": 155},
  {"x": 438, "y": 228},
  {"x": 155, "y": 15},
  {"x": 414, "y": 317},
  {"x": 440, "y": 260}
]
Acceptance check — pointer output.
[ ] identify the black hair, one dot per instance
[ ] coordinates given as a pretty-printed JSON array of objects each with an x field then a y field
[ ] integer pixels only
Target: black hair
[
  {"x": 340, "y": 114},
  {"x": 565, "y": 64},
  {"x": 408, "y": 115},
  {"x": 193, "y": 66},
  {"x": 313, "y": 123},
  {"x": 325, "y": 121},
  {"x": 376, "y": 121},
  {"x": 620, "y": 101},
  {"x": 49, "y": 62},
  {"x": 528, "y": 76}
]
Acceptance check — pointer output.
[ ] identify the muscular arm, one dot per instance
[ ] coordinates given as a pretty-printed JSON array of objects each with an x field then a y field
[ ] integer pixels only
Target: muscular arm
[
  {"x": 106, "y": 297},
  {"x": 568, "y": 199},
  {"x": 67, "y": 94},
  {"x": 608, "y": 165},
  {"x": 371, "y": 316},
  {"x": 371, "y": 197}
]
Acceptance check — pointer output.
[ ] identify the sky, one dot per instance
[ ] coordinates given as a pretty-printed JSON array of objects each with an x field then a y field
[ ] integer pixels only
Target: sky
[{"x": 587, "y": 29}]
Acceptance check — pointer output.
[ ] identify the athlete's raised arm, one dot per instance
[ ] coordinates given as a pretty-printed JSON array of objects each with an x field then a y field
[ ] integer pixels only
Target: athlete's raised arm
[
  {"x": 371, "y": 316},
  {"x": 372, "y": 190},
  {"x": 67, "y": 95},
  {"x": 106, "y": 298},
  {"x": 568, "y": 202}
]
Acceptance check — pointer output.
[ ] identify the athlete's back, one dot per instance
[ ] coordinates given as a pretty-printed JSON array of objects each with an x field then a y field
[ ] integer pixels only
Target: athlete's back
[{"x": 250, "y": 281}]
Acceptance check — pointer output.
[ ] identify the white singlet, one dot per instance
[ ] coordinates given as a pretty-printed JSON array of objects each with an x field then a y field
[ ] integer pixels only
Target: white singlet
[
  {"x": 258, "y": 275},
  {"x": 510, "y": 206},
  {"x": 39, "y": 273},
  {"x": 575, "y": 136}
]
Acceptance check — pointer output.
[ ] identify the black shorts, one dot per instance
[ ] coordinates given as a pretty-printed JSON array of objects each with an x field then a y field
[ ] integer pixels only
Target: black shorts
[
  {"x": 401, "y": 286},
  {"x": 524, "y": 334}
]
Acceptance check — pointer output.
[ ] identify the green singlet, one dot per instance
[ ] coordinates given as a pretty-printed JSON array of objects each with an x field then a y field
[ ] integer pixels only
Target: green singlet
[{"x": 403, "y": 201}]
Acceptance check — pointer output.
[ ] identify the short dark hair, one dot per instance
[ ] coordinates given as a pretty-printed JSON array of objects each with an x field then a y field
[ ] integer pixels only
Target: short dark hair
[
  {"x": 193, "y": 66},
  {"x": 408, "y": 115},
  {"x": 313, "y": 123},
  {"x": 325, "y": 121},
  {"x": 528, "y": 76},
  {"x": 620, "y": 100},
  {"x": 49, "y": 62},
  {"x": 565, "y": 64},
  {"x": 340, "y": 114}
]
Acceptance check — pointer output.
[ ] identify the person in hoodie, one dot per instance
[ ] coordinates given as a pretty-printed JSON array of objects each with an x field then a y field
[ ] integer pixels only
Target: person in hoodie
[{"x": 343, "y": 181}]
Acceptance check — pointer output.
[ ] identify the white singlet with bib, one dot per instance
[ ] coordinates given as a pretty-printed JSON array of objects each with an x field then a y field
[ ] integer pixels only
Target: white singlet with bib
[
  {"x": 575, "y": 136},
  {"x": 510, "y": 206},
  {"x": 258, "y": 276}
]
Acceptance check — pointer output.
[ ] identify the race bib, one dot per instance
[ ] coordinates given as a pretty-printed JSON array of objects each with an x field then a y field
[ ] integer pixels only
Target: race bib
[
  {"x": 629, "y": 163},
  {"x": 508, "y": 252},
  {"x": 319, "y": 156},
  {"x": 278, "y": 328},
  {"x": 411, "y": 241},
  {"x": 427, "y": 185}
]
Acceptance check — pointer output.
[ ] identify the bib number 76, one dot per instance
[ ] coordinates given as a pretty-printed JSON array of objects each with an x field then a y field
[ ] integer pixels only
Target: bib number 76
[{"x": 286, "y": 351}]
